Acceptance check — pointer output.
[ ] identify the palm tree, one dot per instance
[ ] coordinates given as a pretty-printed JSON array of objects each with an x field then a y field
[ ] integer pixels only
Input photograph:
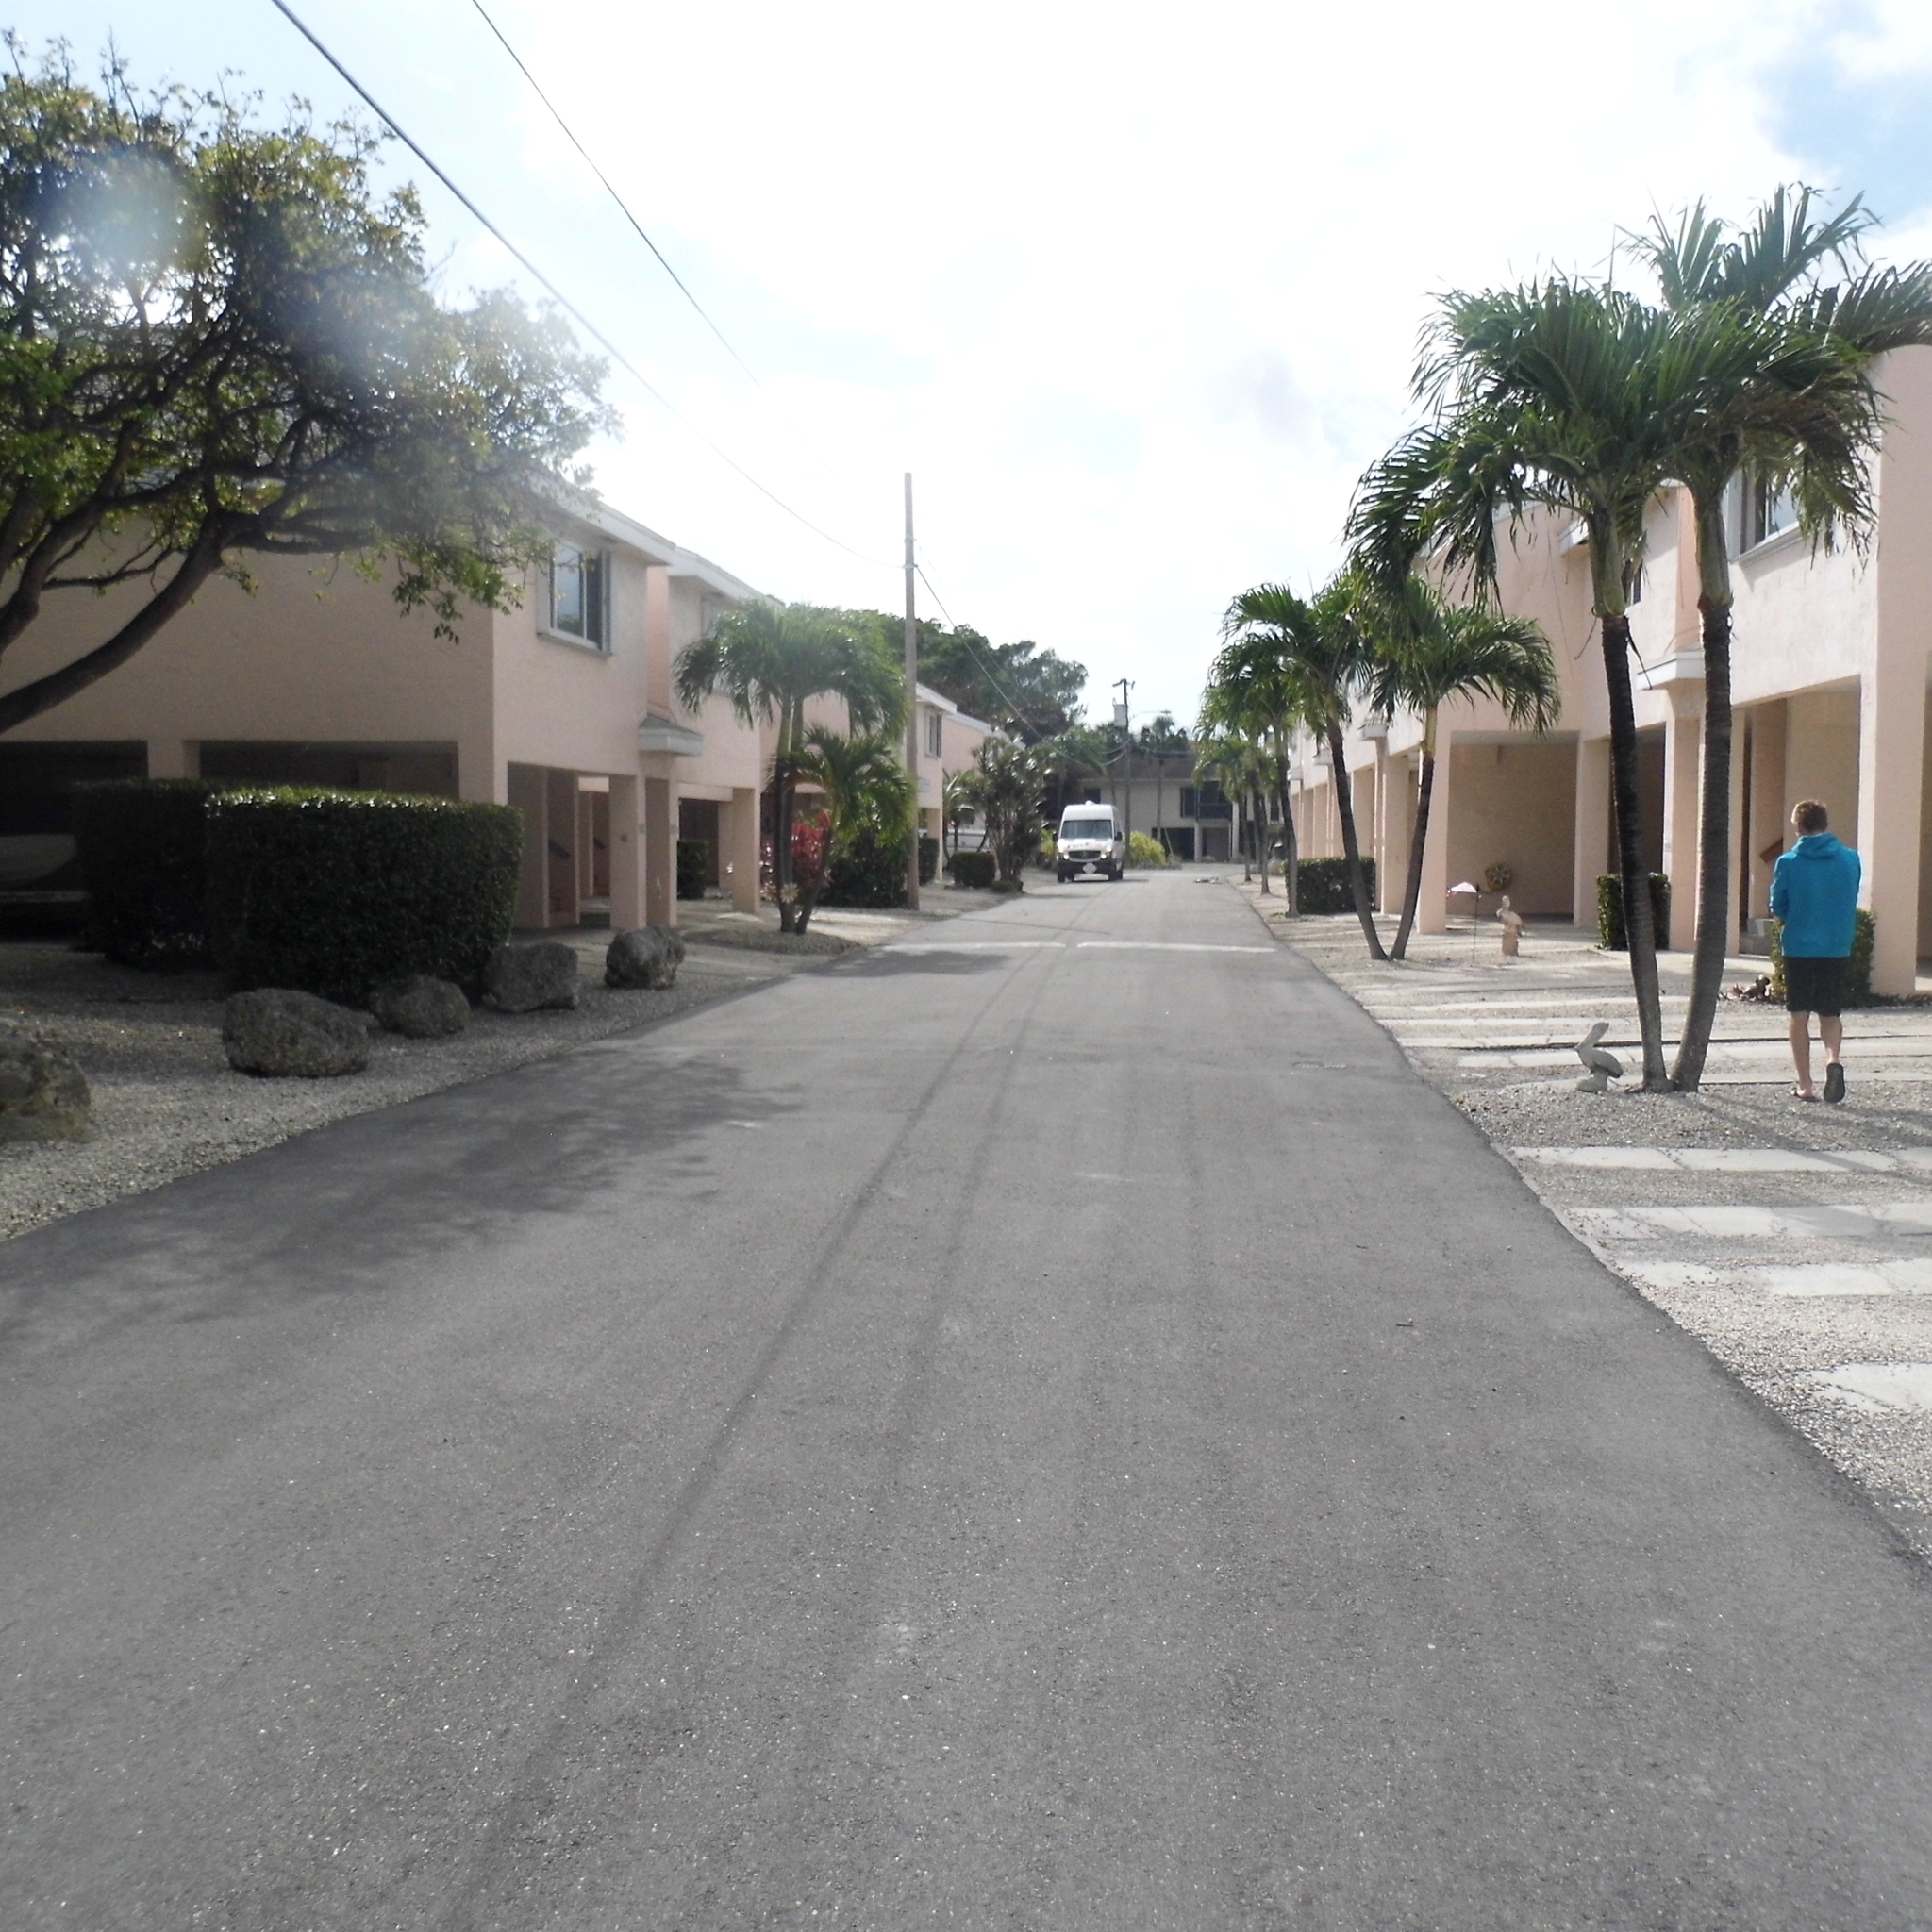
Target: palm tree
[
  {"x": 1005, "y": 784},
  {"x": 956, "y": 806},
  {"x": 1430, "y": 652},
  {"x": 1160, "y": 741},
  {"x": 1574, "y": 401},
  {"x": 1796, "y": 408},
  {"x": 771, "y": 659},
  {"x": 1240, "y": 766},
  {"x": 1252, "y": 692},
  {"x": 1323, "y": 652}
]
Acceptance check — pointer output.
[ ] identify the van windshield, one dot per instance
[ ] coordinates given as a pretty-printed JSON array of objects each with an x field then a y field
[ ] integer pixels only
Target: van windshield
[{"x": 1099, "y": 829}]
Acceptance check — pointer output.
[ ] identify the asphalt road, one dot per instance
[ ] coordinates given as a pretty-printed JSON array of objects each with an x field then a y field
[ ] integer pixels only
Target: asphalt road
[{"x": 1061, "y": 1434}]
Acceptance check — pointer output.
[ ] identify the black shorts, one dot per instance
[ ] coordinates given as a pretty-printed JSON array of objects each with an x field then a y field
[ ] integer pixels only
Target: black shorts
[{"x": 1815, "y": 986}]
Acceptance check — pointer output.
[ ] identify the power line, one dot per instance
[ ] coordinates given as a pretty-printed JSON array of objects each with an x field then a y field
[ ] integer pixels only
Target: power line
[
  {"x": 562, "y": 300},
  {"x": 623, "y": 206},
  {"x": 1018, "y": 709}
]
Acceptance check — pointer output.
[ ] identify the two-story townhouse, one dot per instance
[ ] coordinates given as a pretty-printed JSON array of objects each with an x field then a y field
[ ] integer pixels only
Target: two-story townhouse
[
  {"x": 562, "y": 706},
  {"x": 1831, "y": 657}
]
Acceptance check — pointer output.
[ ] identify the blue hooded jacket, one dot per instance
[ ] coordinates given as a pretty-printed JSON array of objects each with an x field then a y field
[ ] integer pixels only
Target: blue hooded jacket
[{"x": 1815, "y": 891}]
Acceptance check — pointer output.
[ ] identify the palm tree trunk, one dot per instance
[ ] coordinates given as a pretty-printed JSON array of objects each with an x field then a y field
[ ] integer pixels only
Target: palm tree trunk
[
  {"x": 1640, "y": 930},
  {"x": 1714, "y": 829},
  {"x": 1258, "y": 834},
  {"x": 1290, "y": 846},
  {"x": 1412, "y": 890},
  {"x": 1358, "y": 885},
  {"x": 781, "y": 860}
]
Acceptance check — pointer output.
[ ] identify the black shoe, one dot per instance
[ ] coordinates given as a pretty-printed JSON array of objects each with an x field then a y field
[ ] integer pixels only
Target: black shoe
[{"x": 1834, "y": 1082}]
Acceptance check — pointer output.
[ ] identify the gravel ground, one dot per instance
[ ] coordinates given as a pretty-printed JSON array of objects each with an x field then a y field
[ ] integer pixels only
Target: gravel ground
[
  {"x": 1443, "y": 1005},
  {"x": 166, "y": 1101}
]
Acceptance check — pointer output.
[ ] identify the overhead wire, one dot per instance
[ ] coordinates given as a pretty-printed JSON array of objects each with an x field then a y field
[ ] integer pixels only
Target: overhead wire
[
  {"x": 1014, "y": 705},
  {"x": 562, "y": 300},
  {"x": 624, "y": 207}
]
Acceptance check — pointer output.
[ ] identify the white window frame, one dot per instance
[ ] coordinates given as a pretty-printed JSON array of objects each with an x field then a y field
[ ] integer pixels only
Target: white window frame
[
  {"x": 600, "y": 646},
  {"x": 1754, "y": 508},
  {"x": 935, "y": 734}
]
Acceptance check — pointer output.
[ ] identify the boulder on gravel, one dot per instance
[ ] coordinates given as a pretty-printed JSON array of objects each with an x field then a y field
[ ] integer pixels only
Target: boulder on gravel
[
  {"x": 284, "y": 1035},
  {"x": 528, "y": 978},
  {"x": 649, "y": 957},
  {"x": 420, "y": 1008},
  {"x": 43, "y": 1095}
]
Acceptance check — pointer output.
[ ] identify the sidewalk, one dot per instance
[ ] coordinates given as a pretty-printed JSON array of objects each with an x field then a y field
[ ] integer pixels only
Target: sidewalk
[{"x": 1794, "y": 1240}]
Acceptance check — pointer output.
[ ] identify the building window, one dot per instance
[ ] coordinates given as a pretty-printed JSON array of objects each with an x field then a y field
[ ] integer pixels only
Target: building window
[
  {"x": 935, "y": 726},
  {"x": 577, "y": 595},
  {"x": 1767, "y": 512}
]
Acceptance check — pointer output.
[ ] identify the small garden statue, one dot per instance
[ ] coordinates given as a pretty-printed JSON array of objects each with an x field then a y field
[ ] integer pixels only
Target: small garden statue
[
  {"x": 1511, "y": 922},
  {"x": 1604, "y": 1065}
]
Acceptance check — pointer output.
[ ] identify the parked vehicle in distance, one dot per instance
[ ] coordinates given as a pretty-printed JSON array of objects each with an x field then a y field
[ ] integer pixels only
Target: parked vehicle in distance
[{"x": 1090, "y": 845}]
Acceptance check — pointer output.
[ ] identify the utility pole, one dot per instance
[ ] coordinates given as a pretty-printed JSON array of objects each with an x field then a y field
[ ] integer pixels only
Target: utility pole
[
  {"x": 911, "y": 706},
  {"x": 1122, "y": 718}
]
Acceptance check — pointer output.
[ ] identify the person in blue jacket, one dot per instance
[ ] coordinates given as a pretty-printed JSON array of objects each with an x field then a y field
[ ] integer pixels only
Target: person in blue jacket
[{"x": 1814, "y": 891}]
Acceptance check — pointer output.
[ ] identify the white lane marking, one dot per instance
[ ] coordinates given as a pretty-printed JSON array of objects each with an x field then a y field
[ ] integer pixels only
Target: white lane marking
[
  {"x": 1877, "y": 1386},
  {"x": 1869, "y": 1222},
  {"x": 1164, "y": 946},
  {"x": 1734, "y": 1159},
  {"x": 978, "y": 946}
]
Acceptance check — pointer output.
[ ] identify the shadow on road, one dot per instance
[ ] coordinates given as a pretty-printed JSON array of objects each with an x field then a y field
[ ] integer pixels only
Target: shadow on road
[{"x": 351, "y": 1207}]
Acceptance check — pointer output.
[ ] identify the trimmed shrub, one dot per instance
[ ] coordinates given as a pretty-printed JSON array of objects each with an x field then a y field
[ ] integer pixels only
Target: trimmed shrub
[
  {"x": 868, "y": 869},
  {"x": 1141, "y": 850},
  {"x": 1858, "y": 973},
  {"x": 1609, "y": 910},
  {"x": 142, "y": 860},
  {"x": 928, "y": 858},
  {"x": 1322, "y": 885},
  {"x": 694, "y": 867},
  {"x": 976, "y": 869},
  {"x": 333, "y": 892}
]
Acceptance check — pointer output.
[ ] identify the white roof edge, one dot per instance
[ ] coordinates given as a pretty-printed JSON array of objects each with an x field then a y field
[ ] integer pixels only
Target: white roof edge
[
  {"x": 929, "y": 696},
  {"x": 687, "y": 563}
]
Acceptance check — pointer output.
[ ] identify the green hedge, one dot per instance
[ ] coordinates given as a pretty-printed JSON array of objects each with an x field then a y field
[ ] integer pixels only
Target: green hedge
[
  {"x": 694, "y": 867},
  {"x": 142, "y": 845},
  {"x": 335, "y": 891},
  {"x": 1858, "y": 974},
  {"x": 1322, "y": 885},
  {"x": 1609, "y": 910},
  {"x": 977, "y": 868}
]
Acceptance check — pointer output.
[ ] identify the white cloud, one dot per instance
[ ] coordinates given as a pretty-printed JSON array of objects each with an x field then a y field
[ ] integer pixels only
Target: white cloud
[{"x": 1134, "y": 293}]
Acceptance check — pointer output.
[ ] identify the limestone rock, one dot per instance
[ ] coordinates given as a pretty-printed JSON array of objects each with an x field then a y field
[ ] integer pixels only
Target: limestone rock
[
  {"x": 420, "y": 1008},
  {"x": 283, "y": 1034},
  {"x": 43, "y": 1095},
  {"x": 527, "y": 978},
  {"x": 649, "y": 957}
]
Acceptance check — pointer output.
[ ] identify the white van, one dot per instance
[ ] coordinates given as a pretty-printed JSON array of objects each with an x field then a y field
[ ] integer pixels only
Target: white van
[{"x": 1090, "y": 845}]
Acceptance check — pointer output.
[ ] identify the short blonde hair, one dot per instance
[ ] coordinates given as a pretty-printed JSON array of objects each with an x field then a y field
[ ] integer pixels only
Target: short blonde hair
[{"x": 1810, "y": 816}]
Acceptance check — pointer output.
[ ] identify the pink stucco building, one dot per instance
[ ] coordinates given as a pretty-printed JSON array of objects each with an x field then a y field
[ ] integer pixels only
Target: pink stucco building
[
  {"x": 1831, "y": 655},
  {"x": 563, "y": 707}
]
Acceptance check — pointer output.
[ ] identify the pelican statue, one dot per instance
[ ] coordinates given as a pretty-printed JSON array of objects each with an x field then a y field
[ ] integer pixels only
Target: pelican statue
[{"x": 1603, "y": 1066}]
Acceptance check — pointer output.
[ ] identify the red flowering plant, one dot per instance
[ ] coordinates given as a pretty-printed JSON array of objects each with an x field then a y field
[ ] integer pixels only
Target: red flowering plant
[{"x": 811, "y": 863}]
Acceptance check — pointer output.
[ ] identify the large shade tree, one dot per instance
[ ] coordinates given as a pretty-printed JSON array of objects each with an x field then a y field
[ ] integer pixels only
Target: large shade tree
[
  {"x": 219, "y": 343},
  {"x": 1794, "y": 412},
  {"x": 771, "y": 659},
  {"x": 1428, "y": 653}
]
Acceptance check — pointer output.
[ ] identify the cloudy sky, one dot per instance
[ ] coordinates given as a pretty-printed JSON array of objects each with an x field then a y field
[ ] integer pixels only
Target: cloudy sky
[{"x": 1133, "y": 294}]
